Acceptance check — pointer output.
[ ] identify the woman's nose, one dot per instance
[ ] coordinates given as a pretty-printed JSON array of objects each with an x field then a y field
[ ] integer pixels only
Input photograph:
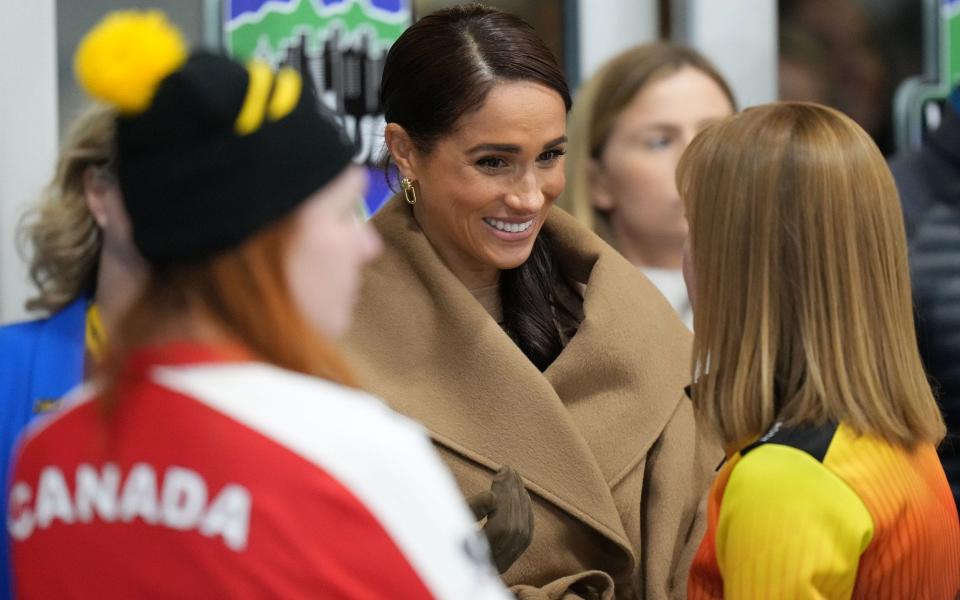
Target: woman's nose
[{"x": 528, "y": 196}]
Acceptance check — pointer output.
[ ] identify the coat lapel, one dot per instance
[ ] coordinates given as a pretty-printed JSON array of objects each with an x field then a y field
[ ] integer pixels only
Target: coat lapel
[
  {"x": 430, "y": 350},
  {"x": 58, "y": 358},
  {"x": 619, "y": 388}
]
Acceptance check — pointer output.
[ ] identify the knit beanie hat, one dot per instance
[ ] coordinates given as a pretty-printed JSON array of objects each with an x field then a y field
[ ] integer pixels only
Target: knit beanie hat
[{"x": 208, "y": 152}]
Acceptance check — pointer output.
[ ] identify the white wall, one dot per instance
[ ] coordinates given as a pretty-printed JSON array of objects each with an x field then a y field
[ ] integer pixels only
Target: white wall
[
  {"x": 739, "y": 36},
  {"x": 74, "y": 18},
  {"x": 28, "y": 122},
  {"x": 607, "y": 27}
]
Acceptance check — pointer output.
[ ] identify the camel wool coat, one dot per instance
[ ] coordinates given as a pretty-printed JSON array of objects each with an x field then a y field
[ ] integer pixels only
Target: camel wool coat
[{"x": 605, "y": 439}]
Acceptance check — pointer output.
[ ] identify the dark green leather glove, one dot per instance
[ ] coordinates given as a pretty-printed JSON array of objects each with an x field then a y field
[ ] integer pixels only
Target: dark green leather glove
[
  {"x": 509, "y": 514},
  {"x": 588, "y": 592}
]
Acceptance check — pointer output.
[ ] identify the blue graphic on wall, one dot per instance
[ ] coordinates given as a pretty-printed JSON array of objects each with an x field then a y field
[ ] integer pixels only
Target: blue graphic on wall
[
  {"x": 339, "y": 46},
  {"x": 239, "y": 7}
]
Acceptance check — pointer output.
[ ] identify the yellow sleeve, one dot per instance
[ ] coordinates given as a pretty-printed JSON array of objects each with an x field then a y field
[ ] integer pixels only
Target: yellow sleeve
[{"x": 789, "y": 528}]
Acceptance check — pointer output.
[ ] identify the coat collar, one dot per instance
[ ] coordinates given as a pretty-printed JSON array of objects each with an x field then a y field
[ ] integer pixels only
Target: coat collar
[
  {"x": 423, "y": 343},
  {"x": 58, "y": 357}
]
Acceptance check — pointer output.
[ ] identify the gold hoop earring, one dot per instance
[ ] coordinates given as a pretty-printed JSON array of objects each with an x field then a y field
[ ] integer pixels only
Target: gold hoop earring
[{"x": 409, "y": 192}]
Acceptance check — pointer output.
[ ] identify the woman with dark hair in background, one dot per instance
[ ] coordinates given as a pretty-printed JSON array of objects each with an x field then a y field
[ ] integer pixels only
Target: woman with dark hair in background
[
  {"x": 515, "y": 335},
  {"x": 628, "y": 128},
  {"x": 223, "y": 451}
]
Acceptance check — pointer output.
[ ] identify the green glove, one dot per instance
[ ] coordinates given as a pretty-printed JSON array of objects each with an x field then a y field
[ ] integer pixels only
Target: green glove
[{"x": 509, "y": 514}]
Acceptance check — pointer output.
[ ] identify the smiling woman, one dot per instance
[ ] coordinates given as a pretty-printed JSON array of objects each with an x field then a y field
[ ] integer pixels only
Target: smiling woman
[
  {"x": 499, "y": 171},
  {"x": 515, "y": 335},
  {"x": 493, "y": 150}
]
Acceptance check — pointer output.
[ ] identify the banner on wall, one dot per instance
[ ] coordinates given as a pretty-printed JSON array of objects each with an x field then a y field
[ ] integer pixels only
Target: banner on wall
[
  {"x": 950, "y": 44},
  {"x": 918, "y": 102},
  {"x": 340, "y": 45}
]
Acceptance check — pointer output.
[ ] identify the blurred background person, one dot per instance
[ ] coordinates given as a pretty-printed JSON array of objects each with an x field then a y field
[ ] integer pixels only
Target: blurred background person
[
  {"x": 221, "y": 451},
  {"x": 802, "y": 70},
  {"x": 929, "y": 184},
  {"x": 629, "y": 125},
  {"x": 838, "y": 43},
  {"x": 86, "y": 271},
  {"x": 513, "y": 333},
  {"x": 806, "y": 366}
]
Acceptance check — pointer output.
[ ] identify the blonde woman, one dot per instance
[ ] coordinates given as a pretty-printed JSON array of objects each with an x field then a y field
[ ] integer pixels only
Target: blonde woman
[
  {"x": 628, "y": 127},
  {"x": 806, "y": 366},
  {"x": 86, "y": 271}
]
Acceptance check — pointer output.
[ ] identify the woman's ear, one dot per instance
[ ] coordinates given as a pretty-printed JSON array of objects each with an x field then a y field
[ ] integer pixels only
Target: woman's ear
[
  {"x": 95, "y": 189},
  {"x": 401, "y": 149},
  {"x": 599, "y": 187}
]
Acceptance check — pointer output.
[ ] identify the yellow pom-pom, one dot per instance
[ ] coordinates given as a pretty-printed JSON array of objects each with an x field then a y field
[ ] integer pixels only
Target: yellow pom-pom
[{"x": 124, "y": 58}]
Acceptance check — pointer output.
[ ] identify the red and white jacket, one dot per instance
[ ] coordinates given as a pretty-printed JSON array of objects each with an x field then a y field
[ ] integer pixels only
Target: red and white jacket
[{"x": 221, "y": 477}]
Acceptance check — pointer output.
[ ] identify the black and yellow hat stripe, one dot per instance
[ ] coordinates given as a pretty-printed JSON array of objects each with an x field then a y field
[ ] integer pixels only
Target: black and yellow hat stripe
[{"x": 268, "y": 97}]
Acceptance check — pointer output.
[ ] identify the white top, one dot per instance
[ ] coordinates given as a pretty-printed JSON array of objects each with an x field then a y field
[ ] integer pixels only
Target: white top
[{"x": 671, "y": 285}]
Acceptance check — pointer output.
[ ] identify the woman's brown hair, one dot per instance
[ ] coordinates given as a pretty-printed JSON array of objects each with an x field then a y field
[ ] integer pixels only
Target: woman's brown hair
[
  {"x": 601, "y": 100},
  {"x": 442, "y": 68},
  {"x": 802, "y": 302},
  {"x": 60, "y": 234},
  {"x": 245, "y": 292}
]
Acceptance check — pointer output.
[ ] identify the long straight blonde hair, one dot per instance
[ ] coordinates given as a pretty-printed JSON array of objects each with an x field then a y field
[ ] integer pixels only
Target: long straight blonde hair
[{"x": 803, "y": 309}]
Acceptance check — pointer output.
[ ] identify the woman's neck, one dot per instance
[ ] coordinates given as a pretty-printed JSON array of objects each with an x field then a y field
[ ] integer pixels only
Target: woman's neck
[
  {"x": 658, "y": 254},
  {"x": 120, "y": 277},
  {"x": 192, "y": 324},
  {"x": 474, "y": 279}
]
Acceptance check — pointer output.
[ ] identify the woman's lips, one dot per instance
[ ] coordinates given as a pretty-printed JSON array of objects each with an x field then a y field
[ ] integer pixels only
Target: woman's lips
[{"x": 511, "y": 229}]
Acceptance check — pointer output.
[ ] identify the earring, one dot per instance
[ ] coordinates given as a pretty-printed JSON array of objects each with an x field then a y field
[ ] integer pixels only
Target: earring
[{"x": 409, "y": 192}]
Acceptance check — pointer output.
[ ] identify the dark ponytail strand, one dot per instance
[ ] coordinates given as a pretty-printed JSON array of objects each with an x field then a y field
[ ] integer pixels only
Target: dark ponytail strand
[{"x": 535, "y": 315}]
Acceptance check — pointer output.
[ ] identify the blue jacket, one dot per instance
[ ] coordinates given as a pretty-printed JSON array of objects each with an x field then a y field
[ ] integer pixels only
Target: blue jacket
[{"x": 40, "y": 361}]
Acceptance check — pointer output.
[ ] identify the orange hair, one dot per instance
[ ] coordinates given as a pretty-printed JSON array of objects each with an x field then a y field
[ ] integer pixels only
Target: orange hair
[{"x": 244, "y": 291}]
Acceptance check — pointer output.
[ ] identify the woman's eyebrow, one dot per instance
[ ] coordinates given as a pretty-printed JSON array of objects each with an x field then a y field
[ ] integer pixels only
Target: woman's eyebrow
[
  {"x": 560, "y": 140},
  {"x": 512, "y": 148},
  {"x": 654, "y": 126},
  {"x": 504, "y": 148}
]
